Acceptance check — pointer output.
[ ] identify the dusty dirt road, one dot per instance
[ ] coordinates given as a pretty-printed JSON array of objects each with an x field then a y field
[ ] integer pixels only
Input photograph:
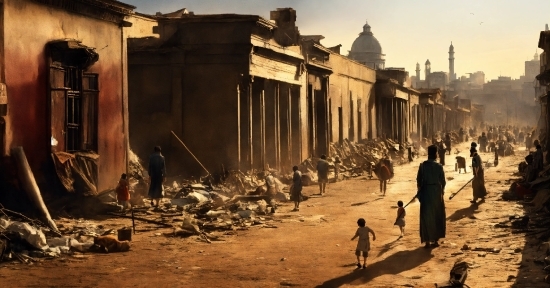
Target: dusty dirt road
[{"x": 312, "y": 247}]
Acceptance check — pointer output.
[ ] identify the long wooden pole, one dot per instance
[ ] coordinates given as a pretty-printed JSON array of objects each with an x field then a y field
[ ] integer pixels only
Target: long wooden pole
[
  {"x": 190, "y": 152},
  {"x": 454, "y": 194}
]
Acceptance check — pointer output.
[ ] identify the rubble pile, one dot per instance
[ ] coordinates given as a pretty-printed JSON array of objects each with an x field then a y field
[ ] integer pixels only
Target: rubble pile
[
  {"x": 28, "y": 240},
  {"x": 535, "y": 195},
  {"x": 198, "y": 210},
  {"x": 357, "y": 158}
]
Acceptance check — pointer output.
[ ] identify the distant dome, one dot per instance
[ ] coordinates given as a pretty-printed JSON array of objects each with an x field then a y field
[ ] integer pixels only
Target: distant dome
[
  {"x": 366, "y": 42},
  {"x": 367, "y": 50}
]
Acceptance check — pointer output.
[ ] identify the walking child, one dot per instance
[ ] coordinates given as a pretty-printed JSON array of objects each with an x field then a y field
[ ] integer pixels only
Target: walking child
[
  {"x": 363, "y": 244},
  {"x": 337, "y": 168},
  {"x": 296, "y": 188},
  {"x": 400, "y": 220},
  {"x": 123, "y": 192}
]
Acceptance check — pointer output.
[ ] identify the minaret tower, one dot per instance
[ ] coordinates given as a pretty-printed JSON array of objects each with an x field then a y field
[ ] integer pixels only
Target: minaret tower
[
  {"x": 417, "y": 80},
  {"x": 546, "y": 27},
  {"x": 428, "y": 69},
  {"x": 452, "y": 62}
]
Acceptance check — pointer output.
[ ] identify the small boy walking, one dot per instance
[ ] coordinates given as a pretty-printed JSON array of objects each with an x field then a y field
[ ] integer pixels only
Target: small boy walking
[
  {"x": 123, "y": 192},
  {"x": 337, "y": 163},
  {"x": 363, "y": 244},
  {"x": 400, "y": 220}
]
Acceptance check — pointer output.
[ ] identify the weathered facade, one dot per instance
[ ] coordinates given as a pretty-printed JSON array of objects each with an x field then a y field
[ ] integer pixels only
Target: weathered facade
[
  {"x": 316, "y": 58},
  {"x": 392, "y": 102},
  {"x": 352, "y": 111},
  {"x": 232, "y": 87},
  {"x": 64, "y": 95},
  {"x": 415, "y": 126},
  {"x": 432, "y": 112}
]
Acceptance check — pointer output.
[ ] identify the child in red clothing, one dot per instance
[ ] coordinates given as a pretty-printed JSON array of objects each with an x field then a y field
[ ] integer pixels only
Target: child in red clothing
[{"x": 123, "y": 192}]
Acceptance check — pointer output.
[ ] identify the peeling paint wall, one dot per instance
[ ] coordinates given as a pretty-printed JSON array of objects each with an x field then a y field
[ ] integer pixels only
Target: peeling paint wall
[
  {"x": 28, "y": 28},
  {"x": 351, "y": 86}
]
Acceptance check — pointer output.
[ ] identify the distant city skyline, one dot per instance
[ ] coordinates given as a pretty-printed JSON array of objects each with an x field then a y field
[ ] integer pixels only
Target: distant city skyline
[{"x": 493, "y": 36}]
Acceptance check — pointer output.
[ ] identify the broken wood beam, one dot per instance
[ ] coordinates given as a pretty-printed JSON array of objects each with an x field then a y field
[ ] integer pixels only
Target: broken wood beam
[{"x": 142, "y": 219}]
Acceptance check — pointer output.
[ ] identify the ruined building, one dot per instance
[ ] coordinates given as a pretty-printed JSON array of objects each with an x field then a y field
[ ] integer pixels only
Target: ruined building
[
  {"x": 243, "y": 92},
  {"x": 63, "y": 91},
  {"x": 230, "y": 86},
  {"x": 397, "y": 105}
]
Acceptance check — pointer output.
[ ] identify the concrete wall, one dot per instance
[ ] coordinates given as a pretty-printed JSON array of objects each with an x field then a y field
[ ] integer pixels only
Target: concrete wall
[
  {"x": 141, "y": 27},
  {"x": 351, "y": 81},
  {"x": 27, "y": 28}
]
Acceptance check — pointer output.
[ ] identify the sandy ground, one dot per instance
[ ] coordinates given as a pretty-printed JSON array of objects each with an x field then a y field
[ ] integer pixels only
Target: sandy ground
[{"x": 312, "y": 247}]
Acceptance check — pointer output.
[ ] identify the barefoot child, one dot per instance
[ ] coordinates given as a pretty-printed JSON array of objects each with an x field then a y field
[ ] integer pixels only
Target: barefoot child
[
  {"x": 363, "y": 244},
  {"x": 400, "y": 220},
  {"x": 123, "y": 192}
]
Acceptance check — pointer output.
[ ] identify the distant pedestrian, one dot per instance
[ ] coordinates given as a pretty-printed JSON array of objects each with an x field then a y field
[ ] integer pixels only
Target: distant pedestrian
[
  {"x": 123, "y": 192},
  {"x": 296, "y": 189},
  {"x": 383, "y": 171},
  {"x": 337, "y": 163},
  {"x": 483, "y": 142},
  {"x": 478, "y": 184},
  {"x": 400, "y": 220},
  {"x": 322, "y": 174},
  {"x": 431, "y": 182},
  {"x": 441, "y": 151},
  {"x": 272, "y": 190},
  {"x": 363, "y": 244},
  {"x": 157, "y": 176},
  {"x": 448, "y": 142}
]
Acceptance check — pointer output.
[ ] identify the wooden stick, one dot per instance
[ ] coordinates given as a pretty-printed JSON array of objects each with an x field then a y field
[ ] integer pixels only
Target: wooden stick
[
  {"x": 142, "y": 219},
  {"x": 190, "y": 152},
  {"x": 32, "y": 221},
  {"x": 454, "y": 194},
  {"x": 133, "y": 222}
]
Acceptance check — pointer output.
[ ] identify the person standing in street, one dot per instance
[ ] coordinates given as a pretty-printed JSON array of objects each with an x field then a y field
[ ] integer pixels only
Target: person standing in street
[
  {"x": 441, "y": 151},
  {"x": 296, "y": 189},
  {"x": 271, "y": 190},
  {"x": 483, "y": 142},
  {"x": 431, "y": 183},
  {"x": 478, "y": 184},
  {"x": 448, "y": 142},
  {"x": 123, "y": 192},
  {"x": 157, "y": 176},
  {"x": 322, "y": 174}
]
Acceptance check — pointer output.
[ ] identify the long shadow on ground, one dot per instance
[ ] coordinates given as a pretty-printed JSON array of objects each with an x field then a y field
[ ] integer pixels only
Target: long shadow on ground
[
  {"x": 387, "y": 247},
  {"x": 463, "y": 213},
  {"x": 394, "y": 264}
]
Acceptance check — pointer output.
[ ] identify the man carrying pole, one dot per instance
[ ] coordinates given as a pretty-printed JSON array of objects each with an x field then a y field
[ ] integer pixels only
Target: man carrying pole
[{"x": 478, "y": 182}]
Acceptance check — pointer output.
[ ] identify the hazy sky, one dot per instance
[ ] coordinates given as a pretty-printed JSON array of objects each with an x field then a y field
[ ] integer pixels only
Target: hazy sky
[{"x": 409, "y": 31}]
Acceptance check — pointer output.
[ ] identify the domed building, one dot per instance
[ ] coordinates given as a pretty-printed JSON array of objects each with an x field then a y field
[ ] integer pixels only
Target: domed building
[{"x": 367, "y": 50}]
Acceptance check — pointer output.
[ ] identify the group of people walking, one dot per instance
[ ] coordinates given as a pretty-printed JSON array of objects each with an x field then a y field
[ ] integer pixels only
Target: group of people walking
[{"x": 430, "y": 181}]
